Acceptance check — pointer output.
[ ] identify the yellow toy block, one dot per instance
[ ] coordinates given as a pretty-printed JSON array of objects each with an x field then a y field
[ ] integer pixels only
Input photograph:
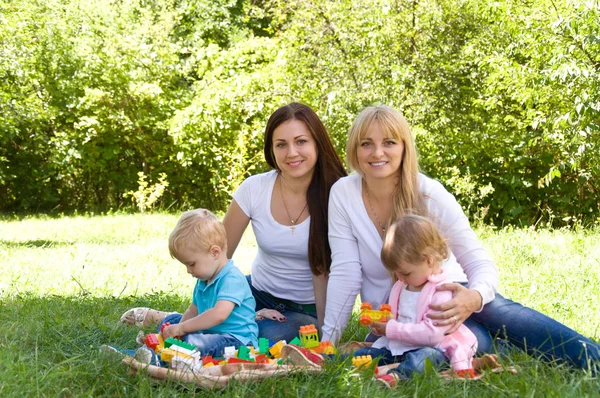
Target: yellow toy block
[
  {"x": 364, "y": 360},
  {"x": 222, "y": 362},
  {"x": 208, "y": 365},
  {"x": 369, "y": 315},
  {"x": 276, "y": 349},
  {"x": 168, "y": 354},
  {"x": 309, "y": 336}
]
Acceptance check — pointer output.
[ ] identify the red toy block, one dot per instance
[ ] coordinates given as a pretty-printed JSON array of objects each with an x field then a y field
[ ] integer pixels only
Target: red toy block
[
  {"x": 151, "y": 341},
  {"x": 237, "y": 360},
  {"x": 262, "y": 358}
]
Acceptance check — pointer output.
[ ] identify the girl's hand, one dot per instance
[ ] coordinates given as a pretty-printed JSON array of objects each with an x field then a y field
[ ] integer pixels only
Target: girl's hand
[
  {"x": 454, "y": 312},
  {"x": 171, "y": 331},
  {"x": 378, "y": 328}
]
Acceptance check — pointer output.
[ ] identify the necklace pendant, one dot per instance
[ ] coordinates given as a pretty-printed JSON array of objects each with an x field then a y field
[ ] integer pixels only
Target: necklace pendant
[{"x": 293, "y": 228}]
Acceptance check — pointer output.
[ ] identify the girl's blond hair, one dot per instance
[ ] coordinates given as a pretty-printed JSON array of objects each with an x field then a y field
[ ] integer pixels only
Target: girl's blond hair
[
  {"x": 197, "y": 229},
  {"x": 409, "y": 240},
  {"x": 394, "y": 125}
]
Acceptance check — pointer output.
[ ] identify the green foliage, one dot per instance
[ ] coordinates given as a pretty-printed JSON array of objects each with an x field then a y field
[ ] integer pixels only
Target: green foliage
[
  {"x": 146, "y": 195},
  {"x": 503, "y": 97}
]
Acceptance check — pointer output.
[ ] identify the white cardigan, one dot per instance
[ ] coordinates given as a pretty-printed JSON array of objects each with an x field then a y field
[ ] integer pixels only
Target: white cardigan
[{"x": 356, "y": 247}]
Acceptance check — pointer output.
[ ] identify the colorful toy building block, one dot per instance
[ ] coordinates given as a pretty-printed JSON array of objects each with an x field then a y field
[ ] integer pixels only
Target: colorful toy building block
[
  {"x": 276, "y": 349},
  {"x": 167, "y": 355},
  {"x": 229, "y": 352},
  {"x": 171, "y": 341},
  {"x": 296, "y": 341},
  {"x": 237, "y": 360},
  {"x": 363, "y": 360},
  {"x": 325, "y": 347},
  {"x": 209, "y": 359},
  {"x": 208, "y": 365},
  {"x": 369, "y": 315},
  {"x": 309, "y": 336},
  {"x": 262, "y": 358},
  {"x": 243, "y": 353},
  {"x": 263, "y": 345},
  {"x": 178, "y": 362},
  {"x": 151, "y": 341}
]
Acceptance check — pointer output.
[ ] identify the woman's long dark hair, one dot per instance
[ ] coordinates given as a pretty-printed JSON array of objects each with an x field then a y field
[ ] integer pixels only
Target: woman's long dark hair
[{"x": 328, "y": 170}]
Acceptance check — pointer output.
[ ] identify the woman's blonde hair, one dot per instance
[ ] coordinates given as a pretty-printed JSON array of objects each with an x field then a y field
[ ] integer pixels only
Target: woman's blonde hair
[
  {"x": 197, "y": 229},
  {"x": 394, "y": 125},
  {"x": 409, "y": 240}
]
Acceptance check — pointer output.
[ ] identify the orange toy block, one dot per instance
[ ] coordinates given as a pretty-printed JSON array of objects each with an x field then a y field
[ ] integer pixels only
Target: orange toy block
[{"x": 325, "y": 347}]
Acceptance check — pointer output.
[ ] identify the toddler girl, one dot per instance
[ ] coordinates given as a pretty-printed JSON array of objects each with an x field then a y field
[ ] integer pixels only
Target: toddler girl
[{"x": 413, "y": 252}]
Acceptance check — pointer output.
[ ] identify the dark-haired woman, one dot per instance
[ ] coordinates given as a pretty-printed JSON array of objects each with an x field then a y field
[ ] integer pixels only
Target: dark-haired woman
[{"x": 288, "y": 211}]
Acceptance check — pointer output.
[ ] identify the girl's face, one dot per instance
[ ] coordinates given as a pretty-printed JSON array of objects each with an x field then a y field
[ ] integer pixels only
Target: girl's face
[
  {"x": 415, "y": 275},
  {"x": 379, "y": 156},
  {"x": 295, "y": 149}
]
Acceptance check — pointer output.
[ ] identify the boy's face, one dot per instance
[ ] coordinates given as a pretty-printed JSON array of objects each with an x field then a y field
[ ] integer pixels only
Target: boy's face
[{"x": 201, "y": 264}]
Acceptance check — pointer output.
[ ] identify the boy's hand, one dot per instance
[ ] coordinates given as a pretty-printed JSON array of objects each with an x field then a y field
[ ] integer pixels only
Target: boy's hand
[
  {"x": 378, "y": 328},
  {"x": 171, "y": 331}
]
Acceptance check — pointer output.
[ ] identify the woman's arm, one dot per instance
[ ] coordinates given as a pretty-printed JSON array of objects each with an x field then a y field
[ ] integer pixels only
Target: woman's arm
[
  {"x": 235, "y": 222},
  {"x": 320, "y": 287},
  {"x": 345, "y": 276},
  {"x": 480, "y": 270}
]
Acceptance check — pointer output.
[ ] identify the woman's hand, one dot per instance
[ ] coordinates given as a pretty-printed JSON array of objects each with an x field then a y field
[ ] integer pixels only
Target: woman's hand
[
  {"x": 378, "y": 328},
  {"x": 454, "y": 312},
  {"x": 273, "y": 315}
]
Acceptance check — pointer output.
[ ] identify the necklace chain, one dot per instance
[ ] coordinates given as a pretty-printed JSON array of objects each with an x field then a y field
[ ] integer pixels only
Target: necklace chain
[
  {"x": 285, "y": 206},
  {"x": 373, "y": 209}
]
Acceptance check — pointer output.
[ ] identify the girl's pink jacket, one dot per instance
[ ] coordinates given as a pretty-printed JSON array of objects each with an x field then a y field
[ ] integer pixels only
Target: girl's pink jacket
[{"x": 459, "y": 347}]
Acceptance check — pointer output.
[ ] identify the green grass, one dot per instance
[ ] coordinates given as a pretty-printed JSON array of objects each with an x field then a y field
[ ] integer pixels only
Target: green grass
[{"x": 65, "y": 282}]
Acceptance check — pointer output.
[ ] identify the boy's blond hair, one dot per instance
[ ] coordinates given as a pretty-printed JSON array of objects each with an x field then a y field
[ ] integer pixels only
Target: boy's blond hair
[
  {"x": 409, "y": 239},
  {"x": 198, "y": 229}
]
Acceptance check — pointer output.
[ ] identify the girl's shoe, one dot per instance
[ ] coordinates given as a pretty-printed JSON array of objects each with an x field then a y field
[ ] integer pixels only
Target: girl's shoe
[{"x": 388, "y": 380}]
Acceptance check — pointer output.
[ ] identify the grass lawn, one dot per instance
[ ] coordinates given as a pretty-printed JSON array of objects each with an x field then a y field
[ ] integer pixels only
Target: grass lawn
[{"x": 65, "y": 282}]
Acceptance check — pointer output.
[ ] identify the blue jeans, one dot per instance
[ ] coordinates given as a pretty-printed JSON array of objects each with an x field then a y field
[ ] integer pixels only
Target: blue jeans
[
  {"x": 274, "y": 330},
  {"x": 533, "y": 332},
  {"x": 207, "y": 344},
  {"x": 409, "y": 362}
]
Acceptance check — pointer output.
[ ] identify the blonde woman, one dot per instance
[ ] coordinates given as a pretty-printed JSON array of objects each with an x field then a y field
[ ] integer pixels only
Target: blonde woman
[{"x": 387, "y": 184}]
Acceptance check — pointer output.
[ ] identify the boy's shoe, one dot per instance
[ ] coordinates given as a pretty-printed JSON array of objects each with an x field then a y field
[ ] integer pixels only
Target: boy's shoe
[
  {"x": 135, "y": 316},
  {"x": 110, "y": 350},
  {"x": 301, "y": 356},
  {"x": 146, "y": 355},
  {"x": 388, "y": 380}
]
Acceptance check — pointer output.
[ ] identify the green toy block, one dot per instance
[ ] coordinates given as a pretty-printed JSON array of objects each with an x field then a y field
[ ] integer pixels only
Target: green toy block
[
  {"x": 172, "y": 341},
  {"x": 263, "y": 345},
  {"x": 244, "y": 353},
  {"x": 296, "y": 341}
]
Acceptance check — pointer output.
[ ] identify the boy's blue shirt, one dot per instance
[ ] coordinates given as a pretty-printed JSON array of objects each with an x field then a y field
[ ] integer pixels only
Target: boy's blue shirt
[{"x": 230, "y": 285}]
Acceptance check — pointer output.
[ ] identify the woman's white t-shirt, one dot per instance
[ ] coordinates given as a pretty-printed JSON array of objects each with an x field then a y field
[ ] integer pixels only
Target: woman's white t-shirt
[{"x": 281, "y": 266}]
